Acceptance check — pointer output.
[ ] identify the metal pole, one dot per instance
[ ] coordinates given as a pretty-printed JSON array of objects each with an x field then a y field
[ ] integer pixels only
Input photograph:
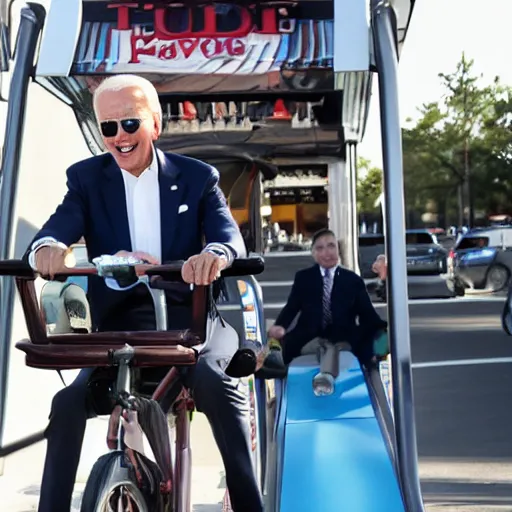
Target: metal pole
[
  {"x": 352, "y": 156},
  {"x": 467, "y": 185},
  {"x": 387, "y": 65},
  {"x": 460, "y": 194},
  {"x": 30, "y": 25}
]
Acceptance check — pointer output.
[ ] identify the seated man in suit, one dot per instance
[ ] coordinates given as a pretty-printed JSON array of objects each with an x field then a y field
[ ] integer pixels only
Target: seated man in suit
[
  {"x": 159, "y": 207},
  {"x": 334, "y": 307}
]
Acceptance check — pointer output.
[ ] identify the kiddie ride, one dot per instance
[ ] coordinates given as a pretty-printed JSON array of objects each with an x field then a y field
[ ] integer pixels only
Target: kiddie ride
[{"x": 268, "y": 80}]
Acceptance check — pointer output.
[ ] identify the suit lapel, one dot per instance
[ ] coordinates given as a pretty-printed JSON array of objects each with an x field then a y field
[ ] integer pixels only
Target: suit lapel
[
  {"x": 172, "y": 191},
  {"x": 335, "y": 282},
  {"x": 114, "y": 198},
  {"x": 337, "y": 286},
  {"x": 318, "y": 290}
]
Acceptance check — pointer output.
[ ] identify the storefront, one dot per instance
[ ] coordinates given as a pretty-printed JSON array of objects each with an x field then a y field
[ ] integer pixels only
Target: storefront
[{"x": 295, "y": 205}]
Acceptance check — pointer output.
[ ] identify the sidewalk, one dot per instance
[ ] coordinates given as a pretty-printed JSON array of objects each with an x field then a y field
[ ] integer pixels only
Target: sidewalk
[{"x": 19, "y": 486}]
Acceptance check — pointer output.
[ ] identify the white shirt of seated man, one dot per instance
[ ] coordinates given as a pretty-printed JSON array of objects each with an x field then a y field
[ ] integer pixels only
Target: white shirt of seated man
[{"x": 140, "y": 175}]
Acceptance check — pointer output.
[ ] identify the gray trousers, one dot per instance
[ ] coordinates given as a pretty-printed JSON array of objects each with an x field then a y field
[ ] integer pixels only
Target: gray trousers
[
  {"x": 219, "y": 397},
  {"x": 327, "y": 353}
]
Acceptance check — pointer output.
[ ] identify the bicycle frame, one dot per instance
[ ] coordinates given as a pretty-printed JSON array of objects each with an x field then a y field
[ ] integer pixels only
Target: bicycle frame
[
  {"x": 177, "y": 477},
  {"x": 176, "y": 480},
  {"x": 145, "y": 349}
]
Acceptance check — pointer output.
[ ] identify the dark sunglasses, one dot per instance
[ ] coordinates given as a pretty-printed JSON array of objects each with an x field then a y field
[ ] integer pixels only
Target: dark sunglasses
[{"x": 109, "y": 128}]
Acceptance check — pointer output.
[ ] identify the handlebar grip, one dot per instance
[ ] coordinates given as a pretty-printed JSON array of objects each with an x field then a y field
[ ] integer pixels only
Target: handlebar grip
[
  {"x": 254, "y": 265},
  {"x": 242, "y": 364},
  {"x": 245, "y": 360},
  {"x": 16, "y": 268}
]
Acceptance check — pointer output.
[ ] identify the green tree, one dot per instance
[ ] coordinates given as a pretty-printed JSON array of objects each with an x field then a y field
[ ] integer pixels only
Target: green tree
[
  {"x": 457, "y": 155},
  {"x": 369, "y": 186}
]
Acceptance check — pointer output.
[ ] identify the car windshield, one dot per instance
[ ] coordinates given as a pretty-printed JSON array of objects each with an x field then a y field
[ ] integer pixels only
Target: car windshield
[
  {"x": 370, "y": 241},
  {"x": 410, "y": 239},
  {"x": 418, "y": 238}
]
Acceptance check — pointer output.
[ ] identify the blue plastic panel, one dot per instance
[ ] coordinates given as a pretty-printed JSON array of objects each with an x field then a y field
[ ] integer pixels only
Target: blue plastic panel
[
  {"x": 350, "y": 398},
  {"x": 338, "y": 466}
]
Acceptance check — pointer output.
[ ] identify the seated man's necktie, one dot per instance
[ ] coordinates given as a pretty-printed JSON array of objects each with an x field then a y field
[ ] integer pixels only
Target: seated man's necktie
[{"x": 326, "y": 300}]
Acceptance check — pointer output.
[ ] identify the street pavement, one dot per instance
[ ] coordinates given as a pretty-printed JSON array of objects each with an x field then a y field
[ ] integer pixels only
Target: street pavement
[
  {"x": 463, "y": 412},
  {"x": 462, "y": 383}
]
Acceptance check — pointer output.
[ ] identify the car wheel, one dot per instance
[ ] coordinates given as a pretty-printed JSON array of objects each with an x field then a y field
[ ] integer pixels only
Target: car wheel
[
  {"x": 497, "y": 278},
  {"x": 459, "y": 289}
]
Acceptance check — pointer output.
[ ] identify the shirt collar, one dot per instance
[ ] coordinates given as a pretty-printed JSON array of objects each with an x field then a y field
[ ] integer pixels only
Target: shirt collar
[{"x": 331, "y": 270}]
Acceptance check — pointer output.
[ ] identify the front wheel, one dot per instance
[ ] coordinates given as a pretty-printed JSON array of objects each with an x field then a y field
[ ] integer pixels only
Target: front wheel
[
  {"x": 119, "y": 483},
  {"x": 459, "y": 289},
  {"x": 110, "y": 487},
  {"x": 498, "y": 277}
]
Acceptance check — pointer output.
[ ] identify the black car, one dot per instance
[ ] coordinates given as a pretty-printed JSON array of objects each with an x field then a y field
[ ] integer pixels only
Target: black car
[
  {"x": 482, "y": 258},
  {"x": 425, "y": 256}
]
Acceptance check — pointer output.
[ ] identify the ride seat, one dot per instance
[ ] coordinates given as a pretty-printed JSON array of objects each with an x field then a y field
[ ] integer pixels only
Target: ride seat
[{"x": 80, "y": 350}]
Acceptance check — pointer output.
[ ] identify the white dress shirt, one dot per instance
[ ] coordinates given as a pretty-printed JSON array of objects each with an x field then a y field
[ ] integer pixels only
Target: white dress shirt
[{"x": 143, "y": 209}]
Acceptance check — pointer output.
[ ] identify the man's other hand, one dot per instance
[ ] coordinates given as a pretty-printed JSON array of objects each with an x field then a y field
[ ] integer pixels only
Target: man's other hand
[
  {"x": 51, "y": 260},
  {"x": 203, "y": 269},
  {"x": 277, "y": 332},
  {"x": 140, "y": 255}
]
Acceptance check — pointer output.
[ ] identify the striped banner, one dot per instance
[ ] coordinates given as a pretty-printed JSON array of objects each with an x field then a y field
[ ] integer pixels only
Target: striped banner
[{"x": 138, "y": 42}]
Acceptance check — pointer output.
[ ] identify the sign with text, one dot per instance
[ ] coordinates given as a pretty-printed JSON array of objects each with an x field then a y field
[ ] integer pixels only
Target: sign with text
[
  {"x": 298, "y": 195},
  {"x": 212, "y": 48}
]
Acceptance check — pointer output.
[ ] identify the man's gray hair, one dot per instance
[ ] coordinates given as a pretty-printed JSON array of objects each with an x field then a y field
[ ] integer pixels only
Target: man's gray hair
[{"x": 120, "y": 82}]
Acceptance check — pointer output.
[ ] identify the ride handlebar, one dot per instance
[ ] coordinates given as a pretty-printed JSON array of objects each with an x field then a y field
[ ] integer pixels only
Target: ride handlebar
[
  {"x": 169, "y": 271},
  {"x": 128, "y": 272}
]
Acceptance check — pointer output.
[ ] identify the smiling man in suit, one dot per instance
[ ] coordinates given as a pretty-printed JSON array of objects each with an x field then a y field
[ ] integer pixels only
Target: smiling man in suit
[
  {"x": 159, "y": 207},
  {"x": 333, "y": 304}
]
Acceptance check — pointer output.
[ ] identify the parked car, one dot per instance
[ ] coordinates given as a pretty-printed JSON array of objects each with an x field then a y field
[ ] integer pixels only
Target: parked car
[
  {"x": 482, "y": 259},
  {"x": 425, "y": 256}
]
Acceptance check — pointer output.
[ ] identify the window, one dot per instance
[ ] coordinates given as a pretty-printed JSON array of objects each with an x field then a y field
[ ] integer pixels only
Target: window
[
  {"x": 473, "y": 242},
  {"x": 371, "y": 240},
  {"x": 239, "y": 193},
  {"x": 418, "y": 238}
]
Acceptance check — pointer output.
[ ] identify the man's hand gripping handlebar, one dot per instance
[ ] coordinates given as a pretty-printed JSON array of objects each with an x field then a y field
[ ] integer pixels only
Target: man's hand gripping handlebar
[
  {"x": 125, "y": 272},
  {"x": 247, "y": 360}
]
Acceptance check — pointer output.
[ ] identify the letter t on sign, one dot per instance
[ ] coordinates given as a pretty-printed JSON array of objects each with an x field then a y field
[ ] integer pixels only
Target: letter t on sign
[{"x": 123, "y": 15}]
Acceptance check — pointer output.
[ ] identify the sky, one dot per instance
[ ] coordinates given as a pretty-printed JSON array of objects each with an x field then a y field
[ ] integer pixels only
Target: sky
[{"x": 440, "y": 30}]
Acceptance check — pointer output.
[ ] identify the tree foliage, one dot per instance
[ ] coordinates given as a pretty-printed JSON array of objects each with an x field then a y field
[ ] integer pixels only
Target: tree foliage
[
  {"x": 458, "y": 155},
  {"x": 369, "y": 186}
]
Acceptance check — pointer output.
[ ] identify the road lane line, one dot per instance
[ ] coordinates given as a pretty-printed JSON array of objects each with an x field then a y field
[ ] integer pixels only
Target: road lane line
[
  {"x": 412, "y": 302},
  {"x": 462, "y": 362}
]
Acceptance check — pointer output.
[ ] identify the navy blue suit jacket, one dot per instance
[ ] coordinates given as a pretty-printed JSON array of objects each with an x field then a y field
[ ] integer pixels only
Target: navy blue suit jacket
[
  {"x": 349, "y": 301},
  {"x": 95, "y": 207}
]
